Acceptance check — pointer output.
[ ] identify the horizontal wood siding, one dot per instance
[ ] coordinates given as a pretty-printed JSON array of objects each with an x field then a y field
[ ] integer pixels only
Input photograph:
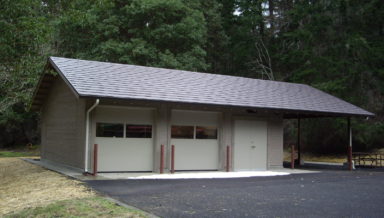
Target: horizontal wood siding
[
  {"x": 63, "y": 126},
  {"x": 275, "y": 143}
]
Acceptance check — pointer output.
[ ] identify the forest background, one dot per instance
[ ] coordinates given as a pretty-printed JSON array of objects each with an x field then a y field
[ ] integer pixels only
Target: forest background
[{"x": 334, "y": 45}]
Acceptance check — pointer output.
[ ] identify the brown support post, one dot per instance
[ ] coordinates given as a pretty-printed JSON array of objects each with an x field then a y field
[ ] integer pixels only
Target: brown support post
[
  {"x": 161, "y": 159},
  {"x": 298, "y": 142},
  {"x": 172, "y": 159},
  {"x": 292, "y": 156},
  {"x": 350, "y": 167},
  {"x": 228, "y": 159},
  {"x": 95, "y": 151}
]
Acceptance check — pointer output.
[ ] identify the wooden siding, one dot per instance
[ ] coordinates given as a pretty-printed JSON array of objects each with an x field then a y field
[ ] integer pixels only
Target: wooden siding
[
  {"x": 275, "y": 143},
  {"x": 63, "y": 126}
]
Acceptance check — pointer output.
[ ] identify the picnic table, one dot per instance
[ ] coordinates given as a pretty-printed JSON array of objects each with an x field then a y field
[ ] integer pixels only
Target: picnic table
[{"x": 368, "y": 159}]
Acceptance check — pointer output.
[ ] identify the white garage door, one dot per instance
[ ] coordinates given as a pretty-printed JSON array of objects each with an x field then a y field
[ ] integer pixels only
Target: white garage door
[
  {"x": 195, "y": 137},
  {"x": 125, "y": 139},
  {"x": 250, "y": 144}
]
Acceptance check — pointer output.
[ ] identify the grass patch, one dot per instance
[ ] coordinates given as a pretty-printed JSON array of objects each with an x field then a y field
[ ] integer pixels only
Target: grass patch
[
  {"x": 16, "y": 154},
  {"x": 325, "y": 158},
  {"x": 21, "y": 151},
  {"x": 28, "y": 190},
  {"x": 84, "y": 207},
  {"x": 24, "y": 185},
  {"x": 318, "y": 158}
]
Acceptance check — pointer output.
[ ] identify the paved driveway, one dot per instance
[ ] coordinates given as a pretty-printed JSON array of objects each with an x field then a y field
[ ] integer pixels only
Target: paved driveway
[{"x": 326, "y": 194}]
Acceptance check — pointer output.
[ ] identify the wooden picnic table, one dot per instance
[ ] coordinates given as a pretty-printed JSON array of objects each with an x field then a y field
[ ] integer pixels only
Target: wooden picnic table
[{"x": 368, "y": 159}]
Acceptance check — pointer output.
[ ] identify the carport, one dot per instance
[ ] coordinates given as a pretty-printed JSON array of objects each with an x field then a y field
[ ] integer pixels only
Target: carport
[{"x": 348, "y": 130}]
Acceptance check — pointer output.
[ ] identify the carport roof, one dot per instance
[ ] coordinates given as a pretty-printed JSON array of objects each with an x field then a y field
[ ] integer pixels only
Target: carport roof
[{"x": 123, "y": 81}]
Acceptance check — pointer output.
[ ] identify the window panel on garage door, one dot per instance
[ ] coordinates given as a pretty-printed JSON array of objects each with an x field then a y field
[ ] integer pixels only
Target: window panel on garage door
[
  {"x": 138, "y": 131},
  {"x": 109, "y": 130},
  {"x": 206, "y": 132},
  {"x": 182, "y": 132}
]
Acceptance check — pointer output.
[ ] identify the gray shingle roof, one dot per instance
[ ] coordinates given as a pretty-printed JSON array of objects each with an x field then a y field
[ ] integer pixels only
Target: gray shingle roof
[{"x": 102, "y": 79}]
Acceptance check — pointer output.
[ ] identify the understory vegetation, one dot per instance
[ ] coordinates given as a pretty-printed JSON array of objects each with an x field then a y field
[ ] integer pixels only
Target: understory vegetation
[{"x": 334, "y": 45}]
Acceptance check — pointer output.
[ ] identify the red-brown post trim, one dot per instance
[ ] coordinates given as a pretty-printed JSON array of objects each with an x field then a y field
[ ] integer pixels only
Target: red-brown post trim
[
  {"x": 350, "y": 167},
  {"x": 161, "y": 159},
  {"x": 95, "y": 151},
  {"x": 172, "y": 159},
  {"x": 292, "y": 156},
  {"x": 228, "y": 159}
]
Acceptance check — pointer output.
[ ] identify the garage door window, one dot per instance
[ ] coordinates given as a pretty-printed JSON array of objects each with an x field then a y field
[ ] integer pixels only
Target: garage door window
[
  {"x": 138, "y": 131},
  {"x": 206, "y": 132},
  {"x": 110, "y": 130},
  {"x": 192, "y": 132},
  {"x": 182, "y": 132}
]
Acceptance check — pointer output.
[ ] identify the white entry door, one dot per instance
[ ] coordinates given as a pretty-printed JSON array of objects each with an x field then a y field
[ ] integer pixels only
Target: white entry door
[{"x": 250, "y": 145}]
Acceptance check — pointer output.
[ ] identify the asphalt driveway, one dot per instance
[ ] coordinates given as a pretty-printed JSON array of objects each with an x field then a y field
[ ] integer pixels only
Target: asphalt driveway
[{"x": 327, "y": 194}]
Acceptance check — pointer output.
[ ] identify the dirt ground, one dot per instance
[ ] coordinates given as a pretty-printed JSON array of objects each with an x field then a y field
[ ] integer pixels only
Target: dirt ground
[{"x": 24, "y": 185}]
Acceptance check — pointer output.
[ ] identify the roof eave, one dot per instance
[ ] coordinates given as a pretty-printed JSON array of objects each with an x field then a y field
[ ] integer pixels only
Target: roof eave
[
  {"x": 287, "y": 113},
  {"x": 36, "y": 104}
]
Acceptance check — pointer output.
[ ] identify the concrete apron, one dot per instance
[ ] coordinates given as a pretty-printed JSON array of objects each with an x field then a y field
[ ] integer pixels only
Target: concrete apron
[{"x": 78, "y": 174}]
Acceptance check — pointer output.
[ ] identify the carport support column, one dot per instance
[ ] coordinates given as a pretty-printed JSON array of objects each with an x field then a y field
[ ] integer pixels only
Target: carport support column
[
  {"x": 350, "y": 165},
  {"x": 298, "y": 142}
]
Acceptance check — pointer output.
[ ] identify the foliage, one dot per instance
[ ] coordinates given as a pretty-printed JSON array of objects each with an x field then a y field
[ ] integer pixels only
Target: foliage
[
  {"x": 337, "y": 46},
  {"x": 216, "y": 46},
  {"x": 158, "y": 33},
  {"x": 22, "y": 46},
  {"x": 334, "y": 45},
  {"x": 21, "y": 151}
]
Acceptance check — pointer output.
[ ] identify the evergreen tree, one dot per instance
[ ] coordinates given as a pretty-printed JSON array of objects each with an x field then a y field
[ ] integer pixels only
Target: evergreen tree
[
  {"x": 158, "y": 33},
  {"x": 24, "y": 40}
]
